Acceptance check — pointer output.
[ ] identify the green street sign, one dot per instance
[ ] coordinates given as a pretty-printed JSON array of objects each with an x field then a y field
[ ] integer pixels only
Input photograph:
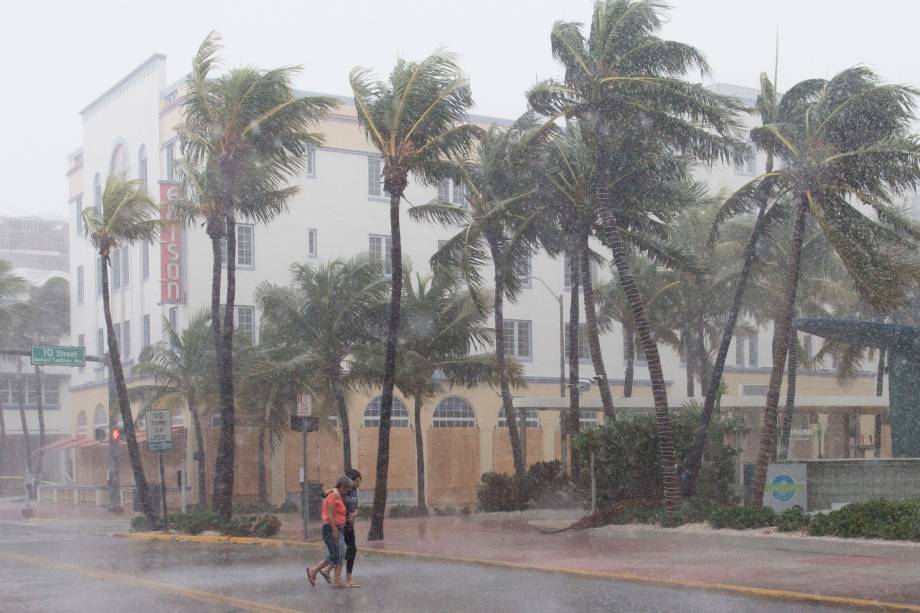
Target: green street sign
[{"x": 49, "y": 355}]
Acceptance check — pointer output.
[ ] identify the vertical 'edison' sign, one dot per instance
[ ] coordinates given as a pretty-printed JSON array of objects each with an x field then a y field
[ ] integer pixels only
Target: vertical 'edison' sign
[{"x": 170, "y": 248}]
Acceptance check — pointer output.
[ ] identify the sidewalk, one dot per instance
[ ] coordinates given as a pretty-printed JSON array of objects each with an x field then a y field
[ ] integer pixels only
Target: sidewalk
[{"x": 885, "y": 572}]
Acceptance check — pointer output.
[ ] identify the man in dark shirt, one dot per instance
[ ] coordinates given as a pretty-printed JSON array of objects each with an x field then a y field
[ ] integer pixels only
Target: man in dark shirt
[{"x": 351, "y": 510}]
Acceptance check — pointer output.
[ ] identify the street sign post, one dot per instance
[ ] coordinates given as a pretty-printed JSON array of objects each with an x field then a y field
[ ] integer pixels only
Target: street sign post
[
  {"x": 159, "y": 430},
  {"x": 52, "y": 355}
]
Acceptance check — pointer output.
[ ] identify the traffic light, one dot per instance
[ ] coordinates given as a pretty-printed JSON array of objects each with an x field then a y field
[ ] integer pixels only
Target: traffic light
[{"x": 116, "y": 434}]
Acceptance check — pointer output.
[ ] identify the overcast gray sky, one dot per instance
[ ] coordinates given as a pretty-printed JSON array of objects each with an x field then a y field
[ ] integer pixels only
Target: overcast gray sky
[{"x": 58, "y": 56}]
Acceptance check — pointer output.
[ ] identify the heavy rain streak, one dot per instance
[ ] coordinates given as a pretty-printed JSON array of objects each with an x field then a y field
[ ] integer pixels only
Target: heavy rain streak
[{"x": 446, "y": 306}]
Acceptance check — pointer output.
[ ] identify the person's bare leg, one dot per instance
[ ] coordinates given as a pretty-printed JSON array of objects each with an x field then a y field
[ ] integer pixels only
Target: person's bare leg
[{"x": 337, "y": 574}]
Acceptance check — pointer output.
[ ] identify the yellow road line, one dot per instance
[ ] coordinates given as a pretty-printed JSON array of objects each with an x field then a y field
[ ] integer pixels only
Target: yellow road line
[
  {"x": 755, "y": 592},
  {"x": 168, "y": 588}
]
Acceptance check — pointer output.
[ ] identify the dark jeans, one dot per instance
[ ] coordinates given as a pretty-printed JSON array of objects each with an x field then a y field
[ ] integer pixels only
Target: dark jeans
[{"x": 351, "y": 550}]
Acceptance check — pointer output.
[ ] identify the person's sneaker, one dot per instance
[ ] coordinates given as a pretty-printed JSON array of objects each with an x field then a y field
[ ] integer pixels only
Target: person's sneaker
[{"x": 325, "y": 574}]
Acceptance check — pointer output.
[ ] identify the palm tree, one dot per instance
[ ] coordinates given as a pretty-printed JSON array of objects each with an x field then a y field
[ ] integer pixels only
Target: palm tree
[
  {"x": 625, "y": 83},
  {"x": 415, "y": 119},
  {"x": 11, "y": 286},
  {"x": 767, "y": 105},
  {"x": 127, "y": 216},
  {"x": 244, "y": 135},
  {"x": 312, "y": 327},
  {"x": 841, "y": 141},
  {"x": 498, "y": 224},
  {"x": 181, "y": 366},
  {"x": 446, "y": 327}
]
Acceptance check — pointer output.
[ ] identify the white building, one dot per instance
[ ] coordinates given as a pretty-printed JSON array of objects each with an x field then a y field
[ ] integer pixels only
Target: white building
[{"x": 340, "y": 211}]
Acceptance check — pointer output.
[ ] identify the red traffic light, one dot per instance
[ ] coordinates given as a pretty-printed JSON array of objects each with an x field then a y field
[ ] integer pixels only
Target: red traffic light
[{"x": 116, "y": 434}]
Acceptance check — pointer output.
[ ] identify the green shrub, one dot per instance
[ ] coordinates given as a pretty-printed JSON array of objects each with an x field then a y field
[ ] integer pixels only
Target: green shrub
[
  {"x": 287, "y": 507},
  {"x": 445, "y": 511},
  {"x": 138, "y": 524},
  {"x": 742, "y": 518},
  {"x": 238, "y": 526},
  {"x": 466, "y": 511},
  {"x": 628, "y": 467},
  {"x": 500, "y": 492},
  {"x": 266, "y": 526},
  {"x": 792, "y": 520},
  {"x": 875, "y": 519},
  {"x": 194, "y": 522}
]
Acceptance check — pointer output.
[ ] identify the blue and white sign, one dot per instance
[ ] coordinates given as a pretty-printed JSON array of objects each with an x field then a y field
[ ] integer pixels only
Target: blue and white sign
[{"x": 787, "y": 486}]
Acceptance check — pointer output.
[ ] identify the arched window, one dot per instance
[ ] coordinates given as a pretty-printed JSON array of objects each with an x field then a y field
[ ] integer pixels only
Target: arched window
[
  {"x": 398, "y": 419},
  {"x": 97, "y": 194},
  {"x": 526, "y": 417},
  {"x": 81, "y": 423},
  {"x": 587, "y": 419},
  {"x": 142, "y": 165},
  {"x": 100, "y": 417},
  {"x": 119, "y": 165},
  {"x": 454, "y": 412}
]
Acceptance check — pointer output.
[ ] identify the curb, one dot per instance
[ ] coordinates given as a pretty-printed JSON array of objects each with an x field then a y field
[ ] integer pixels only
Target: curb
[
  {"x": 898, "y": 550},
  {"x": 742, "y": 590}
]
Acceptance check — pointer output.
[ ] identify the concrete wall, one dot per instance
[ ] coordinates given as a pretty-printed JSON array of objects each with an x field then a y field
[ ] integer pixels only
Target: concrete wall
[{"x": 845, "y": 481}]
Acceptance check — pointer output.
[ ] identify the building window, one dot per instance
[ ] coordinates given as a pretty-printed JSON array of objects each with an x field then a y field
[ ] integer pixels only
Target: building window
[
  {"x": 115, "y": 261},
  {"x": 380, "y": 250},
  {"x": 145, "y": 332},
  {"x": 399, "y": 417},
  {"x": 311, "y": 242},
  {"x": 638, "y": 352},
  {"x": 525, "y": 417},
  {"x": 142, "y": 166},
  {"x": 169, "y": 160},
  {"x": 453, "y": 412},
  {"x": 245, "y": 322},
  {"x": 100, "y": 418},
  {"x": 174, "y": 319},
  {"x": 118, "y": 335},
  {"x": 126, "y": 339},
  {"x": 81, "y": 423},
  {"x": 517, "y": 335},
  {"x": 97, "y": 194},
  {"x": 78, "y": 215},
  {"x": 125, "y": 269},
  {"x": 81, "y": 292},
  {"x": 245, "y": 246},
  {"x": 145, "y": 260},
  {"x": 51, "y": 394},
  {"x": 118, "y": 165},
  {"x": 310, "y": 163},
  {"x": 6, "y": 390},
  {"x": 453, "y": 192},
  {"x": 375, "y": 176},
  {"x": 587, "y": 419},
  {"x": 746, "y": 350},
  {"x": 584, "y": 350}
]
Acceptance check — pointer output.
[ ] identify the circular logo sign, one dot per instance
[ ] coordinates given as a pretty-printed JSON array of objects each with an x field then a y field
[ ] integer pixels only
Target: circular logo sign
[{"x": 783, "y": 488}]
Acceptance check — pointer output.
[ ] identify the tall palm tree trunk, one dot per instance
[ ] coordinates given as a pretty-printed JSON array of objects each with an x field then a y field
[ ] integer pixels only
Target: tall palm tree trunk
[
  {"x": 786, "y": 421},
  {"x": 338, "y": 391},
  {"x": 192, "y": 403},
  {"x": 21, "y": 400},
  {"x": 389, "y": 370},
  {"x": 711, "y": 397},
  {"x": 652, "y": 358},
  {"x": 702, "y": 354},
  {"x": 629, "y": 347},
  {"x": 420, "y": 454},
  {"x": 514, "y": 434},
  {"x": 880, "y": 373},
  {"x": 263, "y": 486},
  {"x": 40, "y": 410},
  {"x": 226, "y": 444},
  {"x": 780, "y": 349},
  {"x": 594, "y": 341},
  {"x": 2, "y": 440},
  {"x": 114, "y": 480},
  {"x": 571, "y": 429},
  {"x": 124, "y": 405}
]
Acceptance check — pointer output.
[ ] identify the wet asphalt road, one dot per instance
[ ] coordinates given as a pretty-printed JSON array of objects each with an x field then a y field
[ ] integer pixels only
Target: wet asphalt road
[{"x": 78, "y": 566}]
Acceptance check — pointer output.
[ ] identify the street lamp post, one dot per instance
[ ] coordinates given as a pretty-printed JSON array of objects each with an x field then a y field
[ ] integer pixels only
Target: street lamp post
[{"x": 562, "y": 440}]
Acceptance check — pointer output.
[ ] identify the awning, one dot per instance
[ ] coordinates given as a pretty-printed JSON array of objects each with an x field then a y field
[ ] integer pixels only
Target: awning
[{"x": 72, "y": 443}]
